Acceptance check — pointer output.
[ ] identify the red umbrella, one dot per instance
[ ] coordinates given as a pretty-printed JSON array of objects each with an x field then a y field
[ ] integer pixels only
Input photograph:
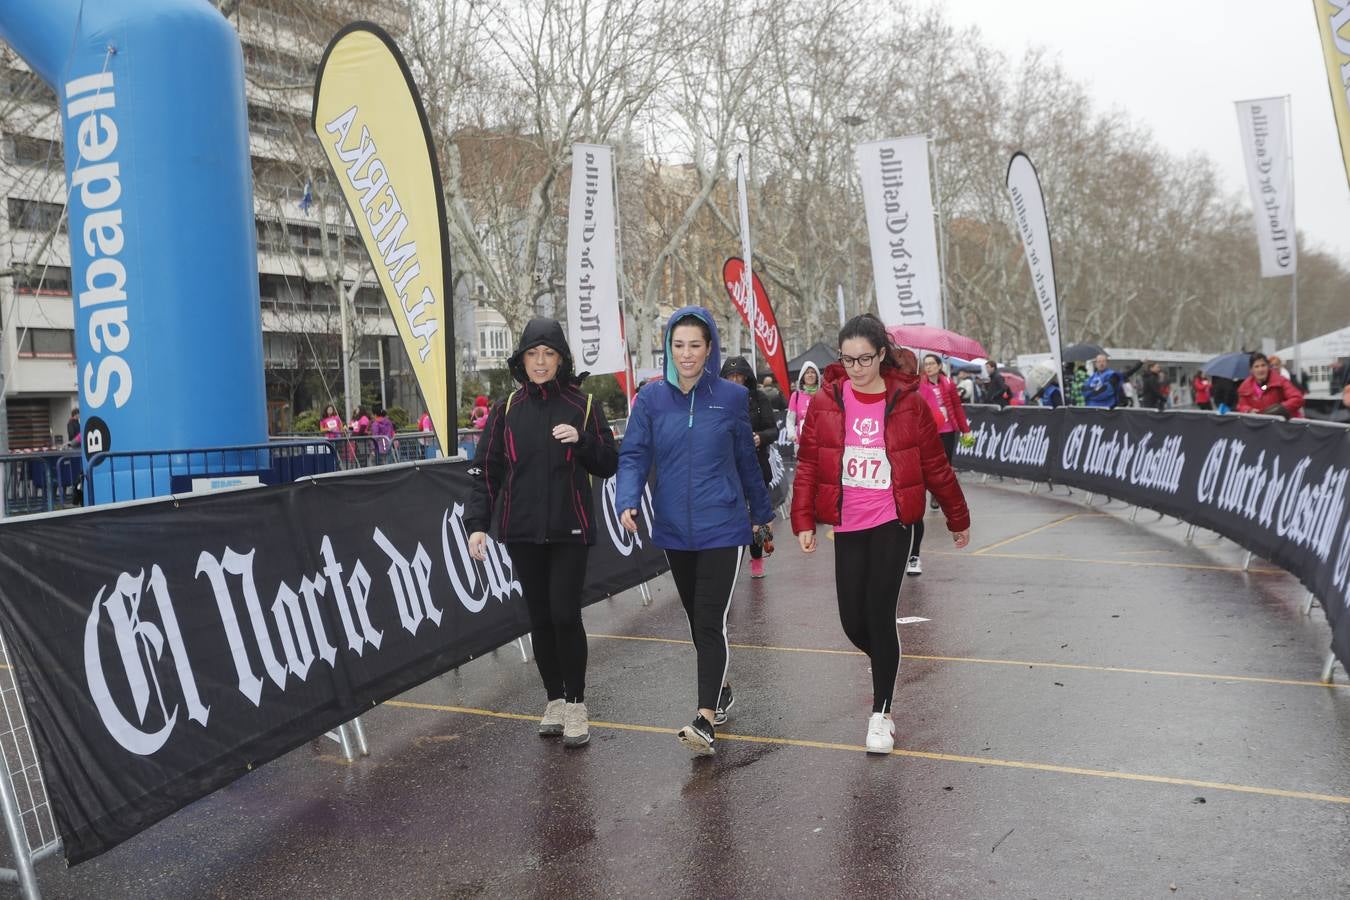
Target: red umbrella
[
  {"x": 1016, "y": 383},
  {"x": 928, "y": 337}
]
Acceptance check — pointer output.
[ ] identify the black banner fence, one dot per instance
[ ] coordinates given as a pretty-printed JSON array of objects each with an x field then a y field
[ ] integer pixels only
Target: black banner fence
[
  {"x": 164, "y": 649},
  {"x": 1276, "y": 488}
]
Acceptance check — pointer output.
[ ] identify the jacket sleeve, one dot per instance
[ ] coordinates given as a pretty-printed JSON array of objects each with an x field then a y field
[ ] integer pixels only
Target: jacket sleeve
[
  {"x": 957, "y": 407},
  {"x": 635, "y": 457},
  {"x": 804, "y": 482},
  {"x": 1244, "y": 404},
  {"x": 938, "y": 475},
  {"x": 765, "y": 424},
  {"x": 595, "y": 445},
  {"x": 747, "y": 466},
  {"x": 1293, "y": 397},
  {"x": 488, "y": 471}
]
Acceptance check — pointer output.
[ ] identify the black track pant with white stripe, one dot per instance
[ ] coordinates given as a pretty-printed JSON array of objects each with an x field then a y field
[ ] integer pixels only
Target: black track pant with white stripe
[{"x": 706, "y": 580}]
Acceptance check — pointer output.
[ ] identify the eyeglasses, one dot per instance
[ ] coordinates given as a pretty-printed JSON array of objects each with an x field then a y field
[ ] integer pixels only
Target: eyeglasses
[{"x": 865, "y": 360}]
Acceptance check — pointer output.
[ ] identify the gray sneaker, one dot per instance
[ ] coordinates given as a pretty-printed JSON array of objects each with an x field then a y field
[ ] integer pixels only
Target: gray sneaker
[
  {"x": 551, "y": 725},
  {"x": 576, "y": 725}
]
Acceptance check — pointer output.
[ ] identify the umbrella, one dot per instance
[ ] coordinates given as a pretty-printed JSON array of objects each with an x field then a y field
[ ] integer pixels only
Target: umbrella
[
  {"x": 1040, "y": 375},
  {"x": 957, "y": 364},
  {"x": 1009, "y": 370},
  {"x": 1233, "y": 366},
  {"x": 1080, "y": 352},
  {"x": 940, "y": 340}
]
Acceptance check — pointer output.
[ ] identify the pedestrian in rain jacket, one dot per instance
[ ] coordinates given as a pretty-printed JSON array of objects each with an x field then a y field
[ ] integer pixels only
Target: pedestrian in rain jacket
[
  {"x": 691, "y": 432},
  {"x": 532, "y": 469}
]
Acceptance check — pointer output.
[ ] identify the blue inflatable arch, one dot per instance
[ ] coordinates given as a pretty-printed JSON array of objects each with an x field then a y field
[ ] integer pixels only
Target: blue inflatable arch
[{"x": 164, "y": 269}]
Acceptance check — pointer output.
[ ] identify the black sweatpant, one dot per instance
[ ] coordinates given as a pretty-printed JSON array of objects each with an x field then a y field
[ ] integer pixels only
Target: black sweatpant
[
  {"x": 551, "y": 577},
  {"x": 706, "y": 580},
  {"x": 869, "y": 566},
  {"x": 948, "y": 444}
]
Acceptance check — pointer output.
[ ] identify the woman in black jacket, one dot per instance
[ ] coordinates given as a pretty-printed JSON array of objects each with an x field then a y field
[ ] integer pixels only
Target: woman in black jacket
[
  {"x": 534, "y": 461},
  {"x": 764, "y": 428}
]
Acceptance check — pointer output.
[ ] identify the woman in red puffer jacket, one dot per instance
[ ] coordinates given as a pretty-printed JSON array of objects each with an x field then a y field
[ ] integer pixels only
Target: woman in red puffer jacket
[{"x": 868, "y": 456}]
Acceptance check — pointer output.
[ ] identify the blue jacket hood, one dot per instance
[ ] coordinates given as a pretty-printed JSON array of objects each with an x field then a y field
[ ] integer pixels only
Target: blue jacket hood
[{"x": 713, "y": 366}]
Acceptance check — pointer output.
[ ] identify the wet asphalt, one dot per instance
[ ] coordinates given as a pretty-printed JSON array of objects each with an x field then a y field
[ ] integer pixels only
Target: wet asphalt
[{"x": 1094, "y": 708}]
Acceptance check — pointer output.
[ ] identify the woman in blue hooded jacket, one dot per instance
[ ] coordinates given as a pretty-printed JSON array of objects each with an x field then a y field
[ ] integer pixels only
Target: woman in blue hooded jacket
[{"x": 692, "y": 431}]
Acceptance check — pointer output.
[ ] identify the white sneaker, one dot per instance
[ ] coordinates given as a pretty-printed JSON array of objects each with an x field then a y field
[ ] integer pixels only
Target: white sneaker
[
  {"x": 551, "y": 725},
  {"x": 880, "y": 734},
  {"x": 915, "y": 567},
  {"x": 576, "y": 725}
]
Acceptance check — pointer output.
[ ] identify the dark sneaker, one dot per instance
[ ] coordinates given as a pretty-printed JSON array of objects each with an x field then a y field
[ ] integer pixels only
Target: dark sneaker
[
  {"x": 698, "y": 736},
  {"x": 724, "y": 704}
]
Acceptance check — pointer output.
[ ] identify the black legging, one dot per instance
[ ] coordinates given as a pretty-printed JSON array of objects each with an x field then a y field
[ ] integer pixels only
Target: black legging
[
  {"x": 949, "y": 445},
  {"x": 551, "y": 577},
  {"x": 705, "y": 580},
  {"x": 867, "y": 580}
]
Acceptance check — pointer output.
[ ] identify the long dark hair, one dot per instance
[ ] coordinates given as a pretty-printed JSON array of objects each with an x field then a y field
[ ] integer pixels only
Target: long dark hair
[{"x": 870, "y": 328}]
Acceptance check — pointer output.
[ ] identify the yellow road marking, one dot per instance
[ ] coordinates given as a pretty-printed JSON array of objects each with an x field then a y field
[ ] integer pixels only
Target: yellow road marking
[
  {"x": 1121, "y": 562},
  {"x": 913, "y": 754},
  {"x": 1025, "y": 534},
  {"x": 1021, "y": 663}
]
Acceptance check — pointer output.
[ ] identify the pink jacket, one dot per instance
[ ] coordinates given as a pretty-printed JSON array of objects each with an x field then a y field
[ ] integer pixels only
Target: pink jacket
[{"x": 951, "y": 398}]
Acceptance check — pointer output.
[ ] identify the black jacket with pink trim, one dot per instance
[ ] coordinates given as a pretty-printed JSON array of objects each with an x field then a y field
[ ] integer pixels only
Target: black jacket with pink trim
[{"x": 533, "y": 487}]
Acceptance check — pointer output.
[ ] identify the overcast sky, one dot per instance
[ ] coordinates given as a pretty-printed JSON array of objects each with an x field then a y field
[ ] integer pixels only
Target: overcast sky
[{"x": 1177, "y": 66}]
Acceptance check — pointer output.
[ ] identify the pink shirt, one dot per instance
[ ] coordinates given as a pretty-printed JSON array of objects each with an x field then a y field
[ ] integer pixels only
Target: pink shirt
[
  {"x": 868, "y": 499},
  {"x": 938, "y": 404}
]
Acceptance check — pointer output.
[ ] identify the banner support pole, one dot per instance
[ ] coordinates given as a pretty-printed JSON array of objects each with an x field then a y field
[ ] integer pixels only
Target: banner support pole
[
  {"x": 630, "y": 371},
  {"x": 942, "y": 232},
  {"x": 1293, "y": 276},
  {"x": 1328, "y": 666}
]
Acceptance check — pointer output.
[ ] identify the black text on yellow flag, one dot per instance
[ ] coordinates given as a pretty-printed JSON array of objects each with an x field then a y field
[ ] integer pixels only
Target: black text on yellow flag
[{"x": 374, "y": 131}]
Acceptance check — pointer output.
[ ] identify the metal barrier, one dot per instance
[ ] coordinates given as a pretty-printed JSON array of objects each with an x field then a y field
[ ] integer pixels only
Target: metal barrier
[
  {"x": 40, "y": 481},
  {"x": 23, "y": 793},
  {"x": 134, "y": 475},
  {"x": 363, "y": 451}
]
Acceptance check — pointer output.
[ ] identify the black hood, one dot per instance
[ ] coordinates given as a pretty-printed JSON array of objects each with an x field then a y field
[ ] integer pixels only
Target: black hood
[
  {"x": 547, "y": 333},
  {"x": 738, "y": 365}
]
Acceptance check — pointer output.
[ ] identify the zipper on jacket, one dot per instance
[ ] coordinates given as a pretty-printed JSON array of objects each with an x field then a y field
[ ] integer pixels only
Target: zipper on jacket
[
  {"x": 689, "y": 469},
  {"x": 548, "y": 437}
]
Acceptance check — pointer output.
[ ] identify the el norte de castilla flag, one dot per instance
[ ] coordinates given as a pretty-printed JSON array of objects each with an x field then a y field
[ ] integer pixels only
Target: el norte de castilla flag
[{"x": 374, "y": 131}]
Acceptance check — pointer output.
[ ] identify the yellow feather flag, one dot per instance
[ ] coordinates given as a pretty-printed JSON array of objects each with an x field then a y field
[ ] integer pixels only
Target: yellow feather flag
[
  {"x": 369, "y": 118},
  {"x": 1333, "y": 21}
]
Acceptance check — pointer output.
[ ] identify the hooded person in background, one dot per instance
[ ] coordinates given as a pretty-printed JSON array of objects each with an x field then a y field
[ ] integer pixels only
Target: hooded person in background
[
  {"x": 764, "y": 431},
  {"x": 808, "y": 382},
  {"x": 533, "y": 464}
]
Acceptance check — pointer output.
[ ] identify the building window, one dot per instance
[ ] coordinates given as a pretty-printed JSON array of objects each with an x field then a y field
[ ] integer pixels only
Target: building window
[
  {"x": 53, "y": 282},
  {"x": 47, "y": 343},
  {"x": 493, "y": 343},
  {"x": 30, "y": 151},
  {"x": 35, "y": 215}
]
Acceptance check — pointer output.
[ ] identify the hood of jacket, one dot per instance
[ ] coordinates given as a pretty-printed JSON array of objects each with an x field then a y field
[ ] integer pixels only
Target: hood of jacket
[
  {"x": 547, "y": 333},
  {"x": 739, "y": 365},
  {"x": 714, "y": 363},
  {"x": 801, "y": 381}
]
